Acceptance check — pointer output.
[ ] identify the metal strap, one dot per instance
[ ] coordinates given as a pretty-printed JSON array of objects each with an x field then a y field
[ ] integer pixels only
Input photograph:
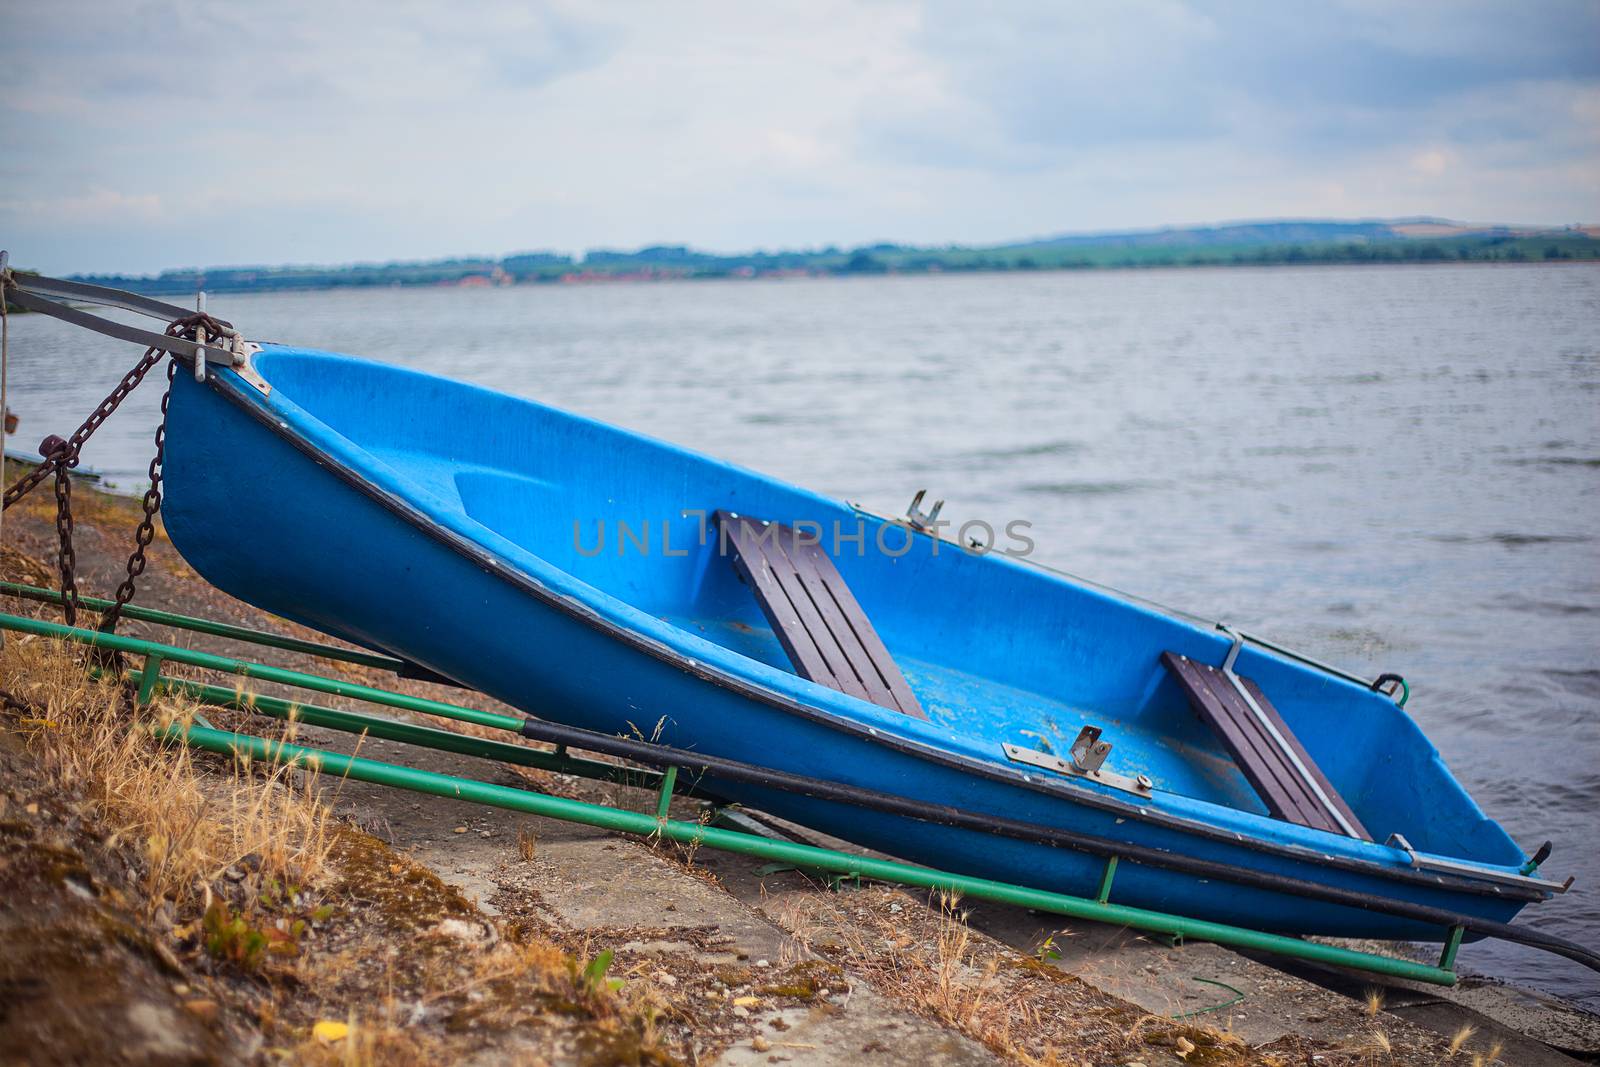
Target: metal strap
[
  {"x": 60, "y": 289},
  {"x": 180, "y": 347}
]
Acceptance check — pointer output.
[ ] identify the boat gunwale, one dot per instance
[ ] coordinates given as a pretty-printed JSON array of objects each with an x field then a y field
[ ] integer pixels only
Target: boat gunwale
[{"x": 1495, "y": 882}]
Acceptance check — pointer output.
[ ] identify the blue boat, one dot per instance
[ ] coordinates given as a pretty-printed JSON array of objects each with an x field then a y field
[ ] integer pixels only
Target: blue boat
[{"x": 597, "y": 578}]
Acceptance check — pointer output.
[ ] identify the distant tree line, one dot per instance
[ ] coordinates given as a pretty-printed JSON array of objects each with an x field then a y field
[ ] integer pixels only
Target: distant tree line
[{"x": 680, "y": 261}]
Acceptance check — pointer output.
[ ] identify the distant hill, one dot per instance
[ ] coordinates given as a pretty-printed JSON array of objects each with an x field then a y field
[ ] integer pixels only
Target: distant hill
[
  {"x": 1240, "y": 233},
  {"x": 1265, "y": 243},
  {"x": 1293, "y": 231}
]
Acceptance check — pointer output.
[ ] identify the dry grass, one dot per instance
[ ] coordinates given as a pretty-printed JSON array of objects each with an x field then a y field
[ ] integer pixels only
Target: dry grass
[
  {"x": 960, "y": 988},
  {"x": 506, "y": 982},
  {"x": 18, "y": 567},
  {"x": 90, "y": 505},
  {"x": 222, "y": 842},
  {"x": 1458, "y": 1042},
  {"x": 1020, "y": 1007},
  {"x": 1377, "y": 1044},
  {"x": 189, "y": 827}
]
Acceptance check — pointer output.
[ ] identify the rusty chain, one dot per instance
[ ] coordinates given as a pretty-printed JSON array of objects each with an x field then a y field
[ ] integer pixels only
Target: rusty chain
[
  {"x": 66, "y": 455},
  {"x": 152, "y": 504},
  {"x": 61, "y": 456},
  {"x": 66, "y": 558}
]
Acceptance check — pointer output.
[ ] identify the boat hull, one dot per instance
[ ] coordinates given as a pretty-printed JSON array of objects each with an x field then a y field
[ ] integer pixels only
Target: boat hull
[{"x": 265, "y": 511}]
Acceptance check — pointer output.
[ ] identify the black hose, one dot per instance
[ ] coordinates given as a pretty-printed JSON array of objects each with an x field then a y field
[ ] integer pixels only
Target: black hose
[{"x": 944, "y": 815}]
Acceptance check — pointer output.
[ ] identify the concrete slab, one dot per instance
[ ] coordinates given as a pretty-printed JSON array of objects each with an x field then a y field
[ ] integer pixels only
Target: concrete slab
[
  {"x": 584, "y": 879},
  {"x": 1275, "y": 999},
  {"x": 1537, "y": 1015},
  {"x": 1537, "y": 1027},
  {"x": 1202, "y": 981},
  {"x": 872, "y": 1028}
]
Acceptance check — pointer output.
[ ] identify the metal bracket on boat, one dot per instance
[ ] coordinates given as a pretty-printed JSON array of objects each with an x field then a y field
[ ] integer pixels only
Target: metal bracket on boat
[
  {"x": 1088, "y": 751},
  {"x": 1095, "y": 750},
  {"x": 1398, "y": 840},
  {"x": 238, "y": 354},
  {"x": 241, "y": 352},
  {"x": 919, "y": 520},
  {"x": 1433, "y": 863}
]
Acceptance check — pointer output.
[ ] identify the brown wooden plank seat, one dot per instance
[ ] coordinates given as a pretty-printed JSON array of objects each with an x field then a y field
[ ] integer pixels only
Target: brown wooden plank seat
[
  {"x": 1299, "y": 794},
  {"x": 813, "y": 613}
]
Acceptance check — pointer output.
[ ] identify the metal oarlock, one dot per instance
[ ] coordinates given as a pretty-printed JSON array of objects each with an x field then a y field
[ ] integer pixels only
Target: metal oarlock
[{"x": 917, "y": 518}]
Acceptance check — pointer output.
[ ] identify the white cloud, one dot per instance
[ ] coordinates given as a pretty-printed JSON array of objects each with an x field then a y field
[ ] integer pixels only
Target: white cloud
[
  {"x": 93, "y": 206},
  {"x": 187, "y": 132},
  {"x": 1432, "y": 162}
]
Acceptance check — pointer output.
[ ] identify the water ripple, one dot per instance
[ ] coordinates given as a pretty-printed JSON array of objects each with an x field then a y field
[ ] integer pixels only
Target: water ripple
[
  {"x": 1511, "y": 540},
  {"x": 1088, "y": 488}
]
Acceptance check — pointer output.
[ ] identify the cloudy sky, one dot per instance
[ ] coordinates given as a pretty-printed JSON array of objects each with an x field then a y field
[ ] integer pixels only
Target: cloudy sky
[{"x": 139, "y": 136}]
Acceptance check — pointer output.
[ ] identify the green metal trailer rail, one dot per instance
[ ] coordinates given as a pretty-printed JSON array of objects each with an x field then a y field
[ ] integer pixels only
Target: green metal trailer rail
[{"x": 151, "y": 681}]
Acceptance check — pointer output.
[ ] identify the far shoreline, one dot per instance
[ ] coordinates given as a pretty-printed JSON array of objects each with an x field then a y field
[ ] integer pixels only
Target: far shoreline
[
  {"x": 1273, "y": 243},
  {"x": 601, "y": 280}
]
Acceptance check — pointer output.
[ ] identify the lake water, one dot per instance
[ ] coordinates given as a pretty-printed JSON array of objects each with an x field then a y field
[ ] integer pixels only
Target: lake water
[{"x": 1389, "y": 468}]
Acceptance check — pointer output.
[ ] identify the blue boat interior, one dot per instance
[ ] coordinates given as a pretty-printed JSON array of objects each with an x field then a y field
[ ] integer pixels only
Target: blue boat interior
[{"x": 996, "y": 651}]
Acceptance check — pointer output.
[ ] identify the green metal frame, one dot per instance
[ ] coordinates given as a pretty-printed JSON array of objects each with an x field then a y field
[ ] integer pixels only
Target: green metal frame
[
  {"x": 353, "y": 722},
  {"x": 215, "y": 629},
  {"x": 658, "y": 824}
]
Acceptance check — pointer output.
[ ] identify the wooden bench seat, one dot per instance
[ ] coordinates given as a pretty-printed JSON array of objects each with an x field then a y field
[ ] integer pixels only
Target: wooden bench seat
[
  {"x": 816, "y": 618},
  {"x": 1288, "y": 793}
]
